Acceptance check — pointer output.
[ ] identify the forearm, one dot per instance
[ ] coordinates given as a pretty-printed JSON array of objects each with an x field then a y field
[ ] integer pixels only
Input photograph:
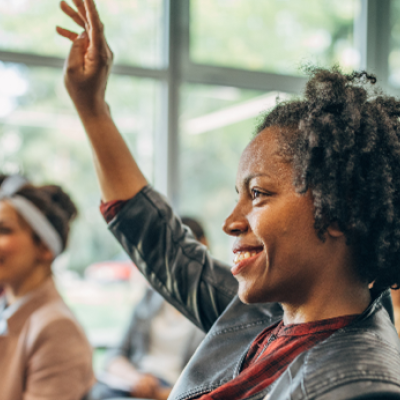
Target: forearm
[
  {"x": 119, "y": 176},
  {"x": 86, "y": 73}
]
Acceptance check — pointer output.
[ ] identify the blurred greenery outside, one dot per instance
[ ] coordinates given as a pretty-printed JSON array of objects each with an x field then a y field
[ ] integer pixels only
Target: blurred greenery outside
[
  {"x": 41, "y": 136},
  {"x": 133, "y": 28},
  {"x": 276, "y": 36}
]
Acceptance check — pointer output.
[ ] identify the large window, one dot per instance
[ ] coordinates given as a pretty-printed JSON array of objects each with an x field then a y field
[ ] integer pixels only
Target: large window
[{"x": 191, "y": 79}]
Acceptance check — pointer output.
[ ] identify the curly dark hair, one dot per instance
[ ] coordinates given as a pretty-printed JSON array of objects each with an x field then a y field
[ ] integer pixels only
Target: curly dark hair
[{"x": 343, "y": 140}]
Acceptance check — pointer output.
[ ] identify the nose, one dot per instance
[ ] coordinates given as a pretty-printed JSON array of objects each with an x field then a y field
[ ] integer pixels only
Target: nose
[{"x": 236, "y": 224}]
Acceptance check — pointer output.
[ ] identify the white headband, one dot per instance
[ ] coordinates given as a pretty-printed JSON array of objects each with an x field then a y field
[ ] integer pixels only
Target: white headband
[{"x": 35, "y": 218}]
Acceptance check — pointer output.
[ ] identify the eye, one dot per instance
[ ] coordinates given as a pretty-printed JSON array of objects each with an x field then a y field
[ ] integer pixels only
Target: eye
[
  {"x": 4, "y": 230},
  {"x": 255, "y": 194}
]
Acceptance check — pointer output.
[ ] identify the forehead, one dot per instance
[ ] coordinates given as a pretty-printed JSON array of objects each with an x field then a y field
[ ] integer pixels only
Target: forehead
[
  {"x": 8, "y": 213},
  {"x": 263, "y": 157},
  {"x": 7, "y": 210}
]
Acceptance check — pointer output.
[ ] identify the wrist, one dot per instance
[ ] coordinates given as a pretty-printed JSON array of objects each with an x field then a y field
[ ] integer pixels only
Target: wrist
[{"x": 94, "y": 111}]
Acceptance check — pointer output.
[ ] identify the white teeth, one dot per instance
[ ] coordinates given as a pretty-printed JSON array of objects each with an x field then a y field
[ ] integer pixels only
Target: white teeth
[{"x": 242, "y": 255}]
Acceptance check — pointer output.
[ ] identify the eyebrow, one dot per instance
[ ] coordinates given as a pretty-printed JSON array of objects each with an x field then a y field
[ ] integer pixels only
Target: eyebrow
[
  {"x": 6, "y": 220},
  {"x": 250, "y": 177}
]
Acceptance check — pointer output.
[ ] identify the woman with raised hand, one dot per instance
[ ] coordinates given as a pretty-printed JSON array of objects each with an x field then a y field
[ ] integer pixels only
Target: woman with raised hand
[
  {"x": 316, "y": 222},
  {"x": 44, "y": 352}
]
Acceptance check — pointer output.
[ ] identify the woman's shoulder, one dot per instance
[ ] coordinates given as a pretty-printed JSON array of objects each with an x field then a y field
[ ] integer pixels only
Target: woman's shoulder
[
  {"x": 350, "y": 363},
  {"x": 54, "y": 310},
  {"x": 53, "y": 333},
  {"x": 53, "y": 318}
]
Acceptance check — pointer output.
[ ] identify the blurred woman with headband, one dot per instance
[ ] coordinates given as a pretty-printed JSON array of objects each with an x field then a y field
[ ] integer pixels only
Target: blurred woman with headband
[{"x": 44, "y": 352}]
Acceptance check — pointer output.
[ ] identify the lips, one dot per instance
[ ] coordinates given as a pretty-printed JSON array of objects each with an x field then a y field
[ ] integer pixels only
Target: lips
[{"x": 243, "y": 257}]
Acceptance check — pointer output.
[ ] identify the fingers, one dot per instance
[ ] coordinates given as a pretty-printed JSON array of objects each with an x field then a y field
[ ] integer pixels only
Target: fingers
[
  {"x": 88, "y": 18},
  {"x": 96, "y": 31},
  {"x": 66, "y": 33},
  {"x": 72, "y": 14},
  {"x": 81, "y": 9}
]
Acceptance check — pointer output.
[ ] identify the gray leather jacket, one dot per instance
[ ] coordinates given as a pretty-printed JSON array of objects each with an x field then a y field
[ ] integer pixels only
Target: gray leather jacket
[{"x": 354, "y": 363}]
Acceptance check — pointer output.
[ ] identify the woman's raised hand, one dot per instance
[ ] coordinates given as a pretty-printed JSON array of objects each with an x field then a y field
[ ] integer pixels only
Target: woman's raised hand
[
  {"x": 86, "y": 72},
  {"x": 89, "y": 62}
]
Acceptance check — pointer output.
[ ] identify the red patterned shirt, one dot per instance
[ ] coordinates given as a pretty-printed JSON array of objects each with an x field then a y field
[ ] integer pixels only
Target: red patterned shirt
[{"x": 271, "y": 353}]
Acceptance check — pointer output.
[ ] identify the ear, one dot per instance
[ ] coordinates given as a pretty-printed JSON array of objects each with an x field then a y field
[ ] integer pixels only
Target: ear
[
  {"x": 44, "y": 253},
  {"x": 334, "y": 231}
]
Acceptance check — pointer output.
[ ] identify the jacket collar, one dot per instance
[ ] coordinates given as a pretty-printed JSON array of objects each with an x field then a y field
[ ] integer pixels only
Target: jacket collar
[{"x": 379, "y": 298}]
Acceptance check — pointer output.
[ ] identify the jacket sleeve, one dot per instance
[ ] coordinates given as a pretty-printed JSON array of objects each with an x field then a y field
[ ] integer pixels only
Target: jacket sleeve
[{"x": 175, "y": 264}]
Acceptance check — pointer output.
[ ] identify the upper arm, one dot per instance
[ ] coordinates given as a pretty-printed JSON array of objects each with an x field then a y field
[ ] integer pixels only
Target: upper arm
[
  {"x": 177, "y": 266},
  {"x": 59, "y": 363}
]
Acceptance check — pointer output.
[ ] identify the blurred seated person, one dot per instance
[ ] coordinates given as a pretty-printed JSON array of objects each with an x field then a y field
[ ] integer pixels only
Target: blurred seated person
[
  {"x": 44, "y": 353},
  {"x": 154, "y": 350}
]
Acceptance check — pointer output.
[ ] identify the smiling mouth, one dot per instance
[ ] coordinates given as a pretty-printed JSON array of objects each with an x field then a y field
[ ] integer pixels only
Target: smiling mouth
[
  {"x": 243, "y": 258},
  {"x": 243, "y": 255}
]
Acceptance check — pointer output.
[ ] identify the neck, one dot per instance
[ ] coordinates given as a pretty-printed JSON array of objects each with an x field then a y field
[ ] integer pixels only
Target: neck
[
  {"x": 17, "y": 290},
  {"x": 329, "y": 303},
  {"x": 333, "y": 288}
]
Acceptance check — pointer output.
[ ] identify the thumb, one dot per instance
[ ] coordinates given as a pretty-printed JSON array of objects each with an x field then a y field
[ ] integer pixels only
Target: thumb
[{"x": 76, "y": 57}]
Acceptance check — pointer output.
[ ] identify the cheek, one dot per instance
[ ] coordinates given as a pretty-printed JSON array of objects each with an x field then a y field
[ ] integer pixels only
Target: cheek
[
  {"x": 270, "y": 226},
  {"x": 15, "y": 244},
  {"x": 9, "y": 244}
]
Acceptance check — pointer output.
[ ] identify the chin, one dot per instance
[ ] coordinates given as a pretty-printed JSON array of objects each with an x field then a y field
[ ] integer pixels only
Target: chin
[
  {"x": 252, "y": 295},
  {"x": 248, "y": 296}
]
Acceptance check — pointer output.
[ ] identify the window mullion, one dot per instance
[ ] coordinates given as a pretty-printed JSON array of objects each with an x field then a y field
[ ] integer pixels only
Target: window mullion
[{"x": 372, "y": 35}]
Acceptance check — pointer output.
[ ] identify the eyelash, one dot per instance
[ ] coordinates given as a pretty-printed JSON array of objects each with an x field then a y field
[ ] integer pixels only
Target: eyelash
[{"x": 255, "y": 194}]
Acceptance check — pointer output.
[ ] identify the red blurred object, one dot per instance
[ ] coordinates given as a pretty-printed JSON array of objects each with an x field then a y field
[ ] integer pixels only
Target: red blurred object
[{"x": 111, "y": 271}]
